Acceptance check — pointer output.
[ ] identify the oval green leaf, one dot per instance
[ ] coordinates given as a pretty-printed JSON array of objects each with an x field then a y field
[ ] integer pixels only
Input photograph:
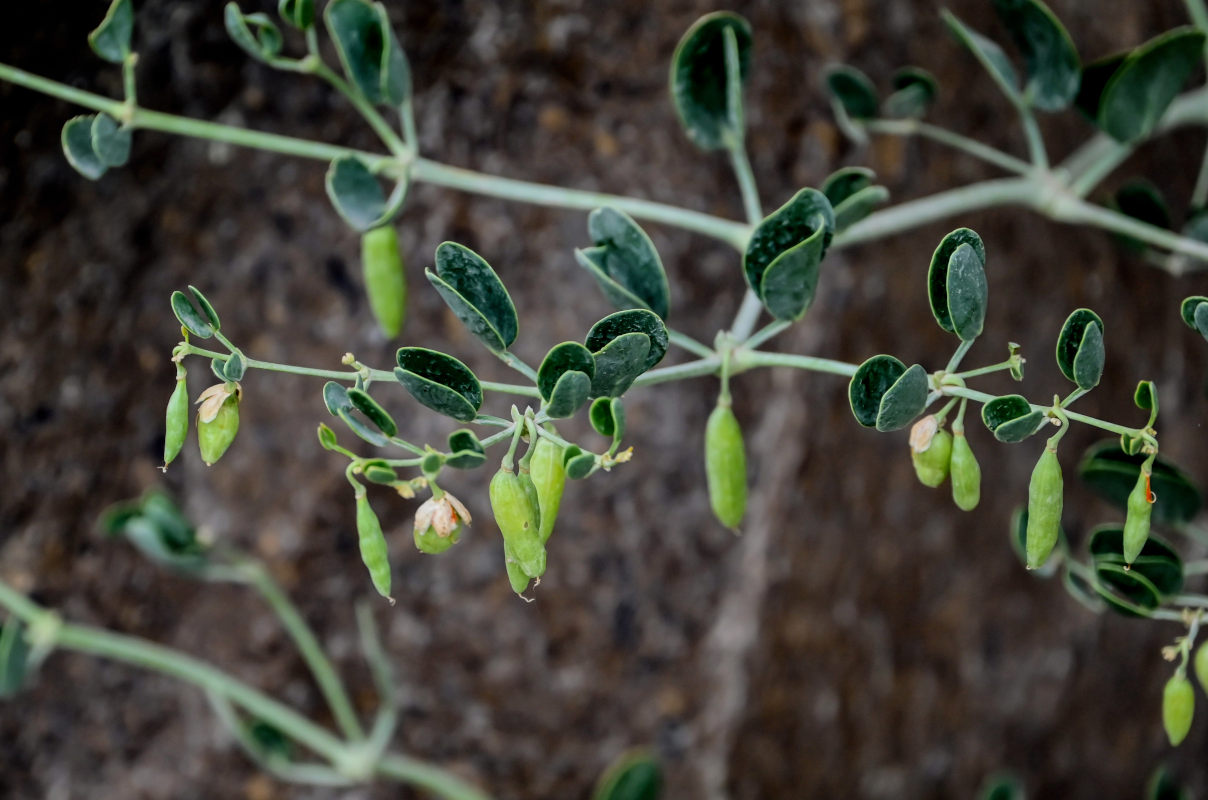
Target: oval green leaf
[
  {"x": 904, "y": 400},
  {"x": 915, "y": 89},
  {"x": 869, "y": 385},
  {"x": 1011, "y": 418},
  {"x": 563, "y": 358},
  {"x": 111, "y": 39},
  {"x": 189, "y": 317},
  {"x": 356, "y": 193},
  {"x": 264, "y": 43},
  {"x": 784, "y": 253},
  {"x": 607, "y": 416},
  {"x": 851, "y": 92},
  {"x": 578, "y": 465},
  {"x": 1146, "y": 82},
  {"x": 701, "y": 79},
  {"x": 77, "y": 146},
  {"x": 937, "y": 273},
  {"x": 475, "y": 294},
  {"x": 440, "y": 382},
  {"x": 1194, "y": 318},
  {"x": 1112, "y": 473},
  {"x": 465, "y": 450},
  {"x": 633, "y": 776},
  {"x": 373, "y": 411},
  {"x": 206, "y": 307},
  {"x": 1070, "y": 343},
  {"x": 368, "y": 50},
  {"x": 624, "y": 262},
  {"x": 845, "y": 182},
  {"x": 966, "y": 292},
  {"x": 619, "y": 363},
  {"x": 235, "y": 367},
  {"x": 1088, "y": 363},
  {"x": 298, "y": 13},
  {"x": 1050, "y": 58},
  {"x": 110, "y": 143},
  {"x": 635, "y": 320},
  {"x": 1158, "y": 562},
  {"x": 859, "y": 206},
  {"x": 569, "y": 394},
  {"x": 987, "y": 53}
]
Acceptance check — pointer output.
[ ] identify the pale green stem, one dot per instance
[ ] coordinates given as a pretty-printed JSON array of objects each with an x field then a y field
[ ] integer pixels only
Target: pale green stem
[
  {"x": 129, "y": 81},
  {"x": 692, "y": 369},
  {"x": 1040, "y": 157},
  {"x": 974, "y": 373},
  {"x": 1188, "y": 600},
  {"x": 748, "y": 311},
  {"x": 418, "y": 773},
  {"x": 524, "y": 369},
  {"x": 959, "y": 355},
  {"x": 747, "y": 316},
  {"x": 915, "y": 127},
  {"x": 689, "y": 344},
  {"x": 1111, "y": 427},
  {"x": 1080, "y": 212},
  {"x": 747, "y": 359},
  {"x": 765, "y": 333},
  {"x": 382, "y": 128},
  {"x": 406, "y": 115}
]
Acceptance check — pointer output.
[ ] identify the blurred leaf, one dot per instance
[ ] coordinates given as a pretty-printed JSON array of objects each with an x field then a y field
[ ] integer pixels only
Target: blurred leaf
[
  {"x": 77, "y": 146},
  {"x": 1143, "y": 201},
  {"x": 859, "y": 206},
  {"x": 915, "y": 90},
  {"x": 636, "y": 775},
  {"x": 1002, "y": 787},
  {"x": 1111, "y": 474},
  {"x": 440, "y": 382},
  {"x": 1163, "y": 786},
  {"x": 14, "y": 657},
  {"x": 1051, "y": 60},
  {"x": 475, "y": 294},
  {"x": 624, "y": 262},
  {"x": 852, "y": 92},
  {"x": 264, "y": 43},
  {"x": 1194, "y": 310},
  {"x": 110, "y": 143},
  {"x": 845, "y": 182},
  {"x": 700, "y": 85},
  {"x": 111, "y": 39},
  {"x": 298, "y": 13},
  {"x": 369, "y": 52},
  {"x": 988, "y": 54},
  {"x": 1158, "y": 562},
  {"x": 356, "y": 193},
  {"x": 784, "y": 253},
  {"x": 1145, "y": 83}
]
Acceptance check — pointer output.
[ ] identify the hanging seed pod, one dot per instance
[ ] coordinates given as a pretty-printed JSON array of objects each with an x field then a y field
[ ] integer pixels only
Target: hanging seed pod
[
  {"x": 966, "y": 474},
  {"x": 373, "y": 545},
  {"x": 385, "y": 279},
  {"x": 217, "y": 420},
  {"x": 1178, "y": 707},
  {"x": 550, "y": 478},
  {"x": 726, "y": 466},
  {"x": 932, "y": 463},
  {"x": 516, "y": 577},
  {"x": 176, "y": 421},
  {"x": 1044, "y": 508},
  {"x": 1136, "y": 523},
  {"x": 517, "y": 516}
]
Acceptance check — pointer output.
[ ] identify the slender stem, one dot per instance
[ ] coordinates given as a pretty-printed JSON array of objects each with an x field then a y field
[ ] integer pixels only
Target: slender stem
[
  {"x": 747, "y": 316},
  {"x": 974, "y": 373},
  {"x": 914, "y": 127},
  {"x": 983, "y": 398},
  {"x": 511, "y": 388},
  {"x": 765, "y": 333},
  {"x": 692, "y": 369},
  {"x": 515, "y": 363},
  {"x": 417, "y": 773},
  {"x": 747, "y": 359},
  {"x": 959, "y": 355},
  {"x": 129, "y": 81},
  {"x": 746, "y": 182},
  {"x": 1199, "y": 195},
  {"x": 689, "y": 344},
  {"x": 1189, "y": 600},
  {"x": 1080, "y": 212},
  {"x": 1040, "y": 157},
  {"x": 364, "y": 108}
]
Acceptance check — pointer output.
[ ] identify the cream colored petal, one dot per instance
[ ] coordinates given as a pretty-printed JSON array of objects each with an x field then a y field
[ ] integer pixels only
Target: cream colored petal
[
  {"x": 461, "y": 510},
  {"x": 210, "y": 407},
  {"x": 923, "y": 432}
]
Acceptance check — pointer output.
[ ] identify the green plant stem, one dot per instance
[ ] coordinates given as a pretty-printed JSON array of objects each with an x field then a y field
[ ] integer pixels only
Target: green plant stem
[
  {"x": 382, "y": 128},
  {"x": 744, "y": 359},
  {"x": 959, "y": 355},
  {"x": 1087, "y": 574},
  {"x": 1040, "y": 157},
  {"x": 765, "y": 333},
  {"x": 129, "y": 81},
  {"x": 975, "y": 373},
  {"x": 417, "y": 773},
  {"x": 1111, "y": 427},
  {"x": 688, "y": 343},
  {"x": 916, "y": 127},
  {"x": 1196, "y": 567},
  {"x": 748, "y": 310},
  {"x": 1189, "y": 600},
  {"x": 524, "y": 369},
  {"x": 679, "y": 372}
]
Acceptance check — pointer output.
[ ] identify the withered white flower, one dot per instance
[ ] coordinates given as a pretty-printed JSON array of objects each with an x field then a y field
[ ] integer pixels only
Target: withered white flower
[
  {"x": 444, "y": 515},
  {"x": 212, "y": 399},
  {"x": 923, "y": 432}
]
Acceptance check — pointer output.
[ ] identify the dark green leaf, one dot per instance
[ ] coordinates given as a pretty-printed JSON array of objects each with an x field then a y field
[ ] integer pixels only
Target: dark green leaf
[
  {"x": 110, "y": 143},
  {"x": 1095, "y": 77},
  {"x": 563, "y": 358},
  {"x": 937, "y": 273},
  {"x": 355, "y": 192},
  {"x": 380, "y": 472},
  {"x": 111, "y": 39},
  {"x": 1126, "y": 591},
  {"x": 361, "y": 429},
  {"x": 440, "y": 382},
  {"x": 859, "y": 206},
  {"x": 845, "y": 182},
  {"x": 1147, "y": 81},
  {"x": 1163, "y": 786},
  {"x": 1112, "y": 474},
  {"x": 431, "y": 465},
  {"x": 783, "y": 254},
  {"x": 218, "y": 367},
  {"x": 988, "y": 54},
  {"x": 207, "y": 309},
  {"x": 373, "y": 411},
  {"x": 904, "y": 400},
  {"x": 967, "y": 292},
  {"x": 235, "y": 366},
  {"x": 465, "y": 451},
  {"x": 699, "y": 79},
  {"x": 396, "y": 72},
  {"x": 578, "y": 466},
  {"x": 637, "y": 320},
  {"x": 633, "y": 776},
  {"x": 569, "y": 394},
  {"x": 915, "y": 90},
  {"x": 263, "y": 44},
  {"x": 1195, "y": 316},
  {"x": 624, "y": 262},
  {"x": 619, "y": 363},
  {"x": 608, "y": 417},
  {"x": 1071, "y": 339},
  {"x": 475, "y": 294},
  {"x": 368, "y": 50},
  {"x": 869, "y": 385},
  {"x": 1011, "y": 418},
  {"x": 1002, "y": 787},
  {"x": 14, "y": 657},
  {"x": 298, "y": 13},
  {"x": 1050, "y": 58},
  {"x": 327, "y": 437},
  {"x": 852, "y": 92},
  {"x": 335, "y": 397},
  {"x": 188, "y": 316},
  {"x": 1158, "y": 562},
  {"x": 1088, "y": 363},
  {"x": 1201, "y": 320},
  {"x": 77, "y": 146}
]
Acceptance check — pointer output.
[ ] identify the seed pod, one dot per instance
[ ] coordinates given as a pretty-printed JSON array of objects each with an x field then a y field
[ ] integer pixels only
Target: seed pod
[
  {"x": 516, "y": 514},
  {"x": 516, "y": 576},
  {"x": 1178, "y": 707},
  {"x": 385, "y": 281},
  {"x": 215, "y": 435},
  {"x": 530, "y": 491},
  {"x": 966, "y": 474},
  {"x": 1136, "y": 524},
  {"x": 726, "y": 466},
  {"x": 176, "y": 422},
  {"x": 373, "y": 545},
  {"x": 550, "y": 478},
  {"x": 1201, "y": 666},
  {"x": 1044, "y": 508},
  {"x": 932, "y": 463},
  {"x": 439, "y": 522}
]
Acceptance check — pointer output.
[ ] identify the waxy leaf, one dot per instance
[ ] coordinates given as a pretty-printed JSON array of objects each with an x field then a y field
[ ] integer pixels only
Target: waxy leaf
[
  {"x": 846, "y": 182},
  {"x": 578, "y": 465},
  {"x": 619, "y": 363},
  {"x": 1011, "y": 418},
  {"x": 988, "y": 54},
  {"x": 633, "y": 776},
  {"x": 111, "y": 39},
  {"x": 1146, "y": 397},
  {"x": 851, "y": 92},
  {"x": 110, "y": 143},
  {"x": 859, "y": 206},
  {"x": 1112, "y": 474},
  {"x": 784, "y": 253},
  {"x": 915, "y": 90},
  {"x": 637, "y": 320},
  {"x": 607, "y": 416},
  {"x": 379, "y": 472},
  {"x": 1158, "y": 561},
  {"x": 1079, "y": 355},
  {"x": 937, "y": 277},
  {"x": 368, "y": 50},
  {"x": 904, "y": 400},
  {"x": 373, "y": 411},
  {"x": 1195, "y": 313},
  {"x": 235, "y": 367},
  {"x": 967, "y": 292},
  {"x": 475, "y": 294},
  {"x": 885, "y": 394},
  {"x": 77, "y": 146},
  {"x": 569, "y": 394},
  {"x": 702, "y": 88},
  {"x": 263, "y": 44},
  {"x": 440, "y": 382},
  {"x": 14, "y": 657},
  {"x": 298, "y": 13},
  {"x": 465, "y": 450},
  {"x": 357, "y": 195},
  {"x": 624, "y": 262},
  {"x": 1050, "y": 58},
  {"x": 339, "y": 403},
  {"x": 189, "y": 317},
  {"x": 1144, "y": 84},
  {"x": 207, "y": 309},
  {"x": 561, "y": 359}
]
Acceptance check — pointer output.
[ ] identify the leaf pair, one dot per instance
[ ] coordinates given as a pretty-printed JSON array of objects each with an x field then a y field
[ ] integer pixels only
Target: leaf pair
[
  {"x": 854, "y": 96},
  {"x": 94, "y": 143},
  {"x": 956, "y": 284},
  {"x": 783, "y": 255},
  {"x": 256, "y": 33},
  {"x": 887, "y": 395},
  {"x": 200, "y": 320},
  {"x": 708, "y": 69},
  {"x": 368, "y": 50},
  {"x": 342, "y": 402},
  {"x": 357, "y": 194},
  {"x": 852, "y": 195},
  {"x": 624, "y": 262}
]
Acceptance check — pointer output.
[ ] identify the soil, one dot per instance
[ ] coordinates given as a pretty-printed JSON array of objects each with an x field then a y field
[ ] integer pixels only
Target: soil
[{"x": 862, "y": 638}]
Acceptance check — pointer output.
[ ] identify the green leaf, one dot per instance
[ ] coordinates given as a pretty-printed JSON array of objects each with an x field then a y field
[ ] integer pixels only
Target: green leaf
[
  {"x": 607, "y": 416},
  {"x": 1147, "y": 81},
  {"x": 1146, "y": 397},
  {"x": 1070, "y": 344},
  {"x": 235, "y": 366},
  {"x": 110, "y": 143},
  {"x": 1194, "y": 310},
  {"x": 1127, "y": 592},
  {"x": 440, "y": 382},
  {"x": 852, "y": 92},
  {"x": 904, "y": 400},
  {"x": 77, "y": 146},
  {"x": 335, "y": 397},
  {"x": 637, "y": 320},
  {"x": 845, "y": 182},
  {"x": 852, "y": 196},
  {"x": 373, "y": 411},
  {"x": 475, "y": 294},
  {"x": 379, "y": 472},
  {"x": 937, "y": 273},
  {"x": 700, "y": 81},
  {"x": 1002, "y": 787},
  {"x": 1050, "y": 58},
  {"x": 356, "y": 193},
  {"x": 264, "y": 43},
  {"x": 784, "y": 253},
  {"x": 14, "y": 658},
  {"x": 569, "y": 394},
  {"x": 859, "y": 206},
  {"x": 563, "y": 358},
  {"x": 1112, "y": 474},
  {"x": 967, "y": 292},
  {"x": 207, "y": 309},
  {"x": 465, "y": 450},
  {"x": 869, "y": 385},
  {"x": 339, "y": 403},
  {"x": 634, "y": 776},
  {"x": 298, "y": 13},
  {"x": 1095, "y": 77},
  {"x": 327, "y": 437},
  {"x": 1083, "y": 591},
  {"x": 111, "y": 39},
  {"x": 619, "y": 363},
  {"x": 1011, "y": 418},
  {"x": 915, "y": 90},
  {"x": 988, "y": 54},
  {"x": 188, "y": 316},
  {"x": 368, "y": 50},
  {"x": 1158, "y": 562},
  {"x": 1163, "y": 786},
  {"x": 624, "y": 262},
  {"x": 578, "y": 465}
]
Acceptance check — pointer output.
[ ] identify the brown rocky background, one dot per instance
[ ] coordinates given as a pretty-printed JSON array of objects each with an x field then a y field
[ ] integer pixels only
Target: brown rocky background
[{"x": 863, "y": 638}]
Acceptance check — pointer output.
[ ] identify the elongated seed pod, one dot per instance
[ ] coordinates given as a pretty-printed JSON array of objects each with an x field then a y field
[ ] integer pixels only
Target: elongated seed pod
[
  {"x": 385, "y": 279},
  {"x": 550, "y": 479},
  {"x": 1136, "y": 523},
  {"x": 966, "y": 474},
  {"x": 373, "y": 545},
  {"x": 530, "y": 491},
  {"x": 176, "y": 422},
  {"x": 516, "y": 576},
  {"x": 1178, "y": 707},
  {"x": 1201, "y": 666},
  {"x": 516, "y": 514},
  {"x": 1044, "y": 508},
  {"x": 215, "y": 436},
  {"x": 932, "y": 464},
  {"x": 726, "y": 466}
]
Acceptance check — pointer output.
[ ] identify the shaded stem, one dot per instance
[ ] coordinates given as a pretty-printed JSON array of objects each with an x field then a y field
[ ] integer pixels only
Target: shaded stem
[
  {"x": 689, "y": 344},
  {"x": 748, "y": 359},
  {"x": 916, "y": 127}
]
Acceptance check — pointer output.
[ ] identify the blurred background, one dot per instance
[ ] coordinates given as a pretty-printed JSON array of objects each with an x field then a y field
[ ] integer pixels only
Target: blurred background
[{"x": 862, "y": 639}]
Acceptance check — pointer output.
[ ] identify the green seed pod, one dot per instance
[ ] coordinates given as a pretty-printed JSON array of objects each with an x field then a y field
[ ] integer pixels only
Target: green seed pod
[
  {"x": 1044, "y": 508},
  {"x": 516, "y": 514},
  {"x": 373, "y": 545},
  {"x": 530, "y": 491},
  {"x": 516, "y": 576},
  {"x": 966, "y": 474},
  {"x": 176, "y": 422},
  {"x": 1178, "y": 707},
  {"x": 215, "y": 436},
  {"x": 550, "y": 478},
  {"x": 439, "y": 522},
  {"x": 932, "y": 463},
  {"x": 726, "y": 466},
  {"x": 1201, "y": 666},
  {"x": 385, "y": 280},
  {"x": 1136, "y": 524}
]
